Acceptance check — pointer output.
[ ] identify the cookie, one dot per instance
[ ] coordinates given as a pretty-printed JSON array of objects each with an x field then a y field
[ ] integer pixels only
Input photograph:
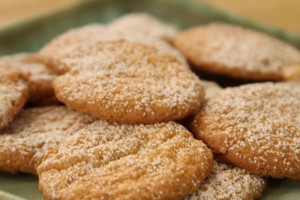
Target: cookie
[
  {"x": 144, "y": 24},
  {"x": 239, "y": 52},
  {"x": 227, "y": 182},
  {"x": 113, "y": 161},
  {"x": 255, "y": 127},
  {"x": 211, "y": 88},
  {"x": 51, "y": 52},
  {"x": 61, "y": 48},
  {"x": 33, "y": 131},
  {"x": 14, "y": 93},
  {"x": 40, "y": 77},
  {"x": 129, "y": 82}
]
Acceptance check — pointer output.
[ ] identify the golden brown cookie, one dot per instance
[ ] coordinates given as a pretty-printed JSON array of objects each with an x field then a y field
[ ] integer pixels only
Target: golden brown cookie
[
  {"x": 228, "y": 182},
  {"x": 239, "y": 52},
  {"x": 129, "y": 83},
  {"x": 24, "y": 142},
  {"x": 13, "y": 93},
  {"x": 255, "y": 127},
  {"x": 51, "y": 52},
  {"x": 145, "y": 24},
  {"x": 63, "y": 46},
  {"x": 113, "y": 161},
  {"x": 40, "y": 77}
]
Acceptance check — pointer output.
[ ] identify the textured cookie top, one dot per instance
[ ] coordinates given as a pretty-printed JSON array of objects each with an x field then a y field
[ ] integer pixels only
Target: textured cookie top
[
  {"x": 128, "y": 82},
  {"x": 256, "y": 127},
  {"x": 33, "y": 131},
  {"x": 144, "y": 24},
  {"x": 112, "y": 161},
  {"x": 63, "y": 46},
  {"x": 227, "y": 182},
  {"x": 159, "y": 45},
  {"x": 40, "y": 77},
  {"x": 13, "y": 93},
  {"x": 239, "y": 52}
]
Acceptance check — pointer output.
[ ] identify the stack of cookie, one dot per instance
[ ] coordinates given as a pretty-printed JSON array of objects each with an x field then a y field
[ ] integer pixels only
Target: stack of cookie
[{"x": 103, "y": 105}]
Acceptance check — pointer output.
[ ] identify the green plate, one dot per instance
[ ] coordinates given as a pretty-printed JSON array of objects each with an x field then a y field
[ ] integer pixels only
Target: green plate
[{"x": 31, "y": 35}]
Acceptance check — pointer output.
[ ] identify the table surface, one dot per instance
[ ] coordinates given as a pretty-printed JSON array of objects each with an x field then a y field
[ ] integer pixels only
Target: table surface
[{"x": 283, "y": 14}]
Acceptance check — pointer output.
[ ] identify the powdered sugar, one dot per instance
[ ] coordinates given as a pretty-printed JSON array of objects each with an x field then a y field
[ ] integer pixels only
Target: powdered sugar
[
  {"x": 228, "y": 182},
  {"x": 239, "y": 52},
  {"x": 258, "y": 125},
  {"x": 33, "y": 132},
  {"x": 121, "y": 78},
  {"x": 126, "y": 161}
]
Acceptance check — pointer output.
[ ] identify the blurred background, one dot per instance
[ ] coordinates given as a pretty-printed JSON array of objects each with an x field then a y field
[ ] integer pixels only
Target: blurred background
[{"x": 283, "y": 14}]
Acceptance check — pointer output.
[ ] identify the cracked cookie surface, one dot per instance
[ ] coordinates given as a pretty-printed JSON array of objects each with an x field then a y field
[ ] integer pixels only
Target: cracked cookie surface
[{"x": 113, "y": 161}]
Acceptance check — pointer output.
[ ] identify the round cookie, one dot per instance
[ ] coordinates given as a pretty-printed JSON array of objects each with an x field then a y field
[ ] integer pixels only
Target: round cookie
[
  {"x": 113, "y": 161},
  {"x": 227, "y": 182},
  {"x": 144, "y": 24},
  {"x": 51, "y": 52},
  {"x": 255, "y": 127},
  {"x": 239, "y": 52},
  {"x": 33, "y": 131},
  {"x": 14, "y": 93},
  {"x": 128, "y": 82},
  {"x": 40, "y": 77},
  {"x": 61, "y": 48}
]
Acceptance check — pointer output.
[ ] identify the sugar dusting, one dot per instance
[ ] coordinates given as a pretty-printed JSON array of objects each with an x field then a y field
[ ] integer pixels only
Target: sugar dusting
[
  {"x": 228, "y": 182},
  {"x": 259, "y": 125},
  {"x": 126, "y": 77},
  {"x": 63, "y": 45},
  {"x": 109, "y": 160},
  {"x": 35, "y": 130},
  {"x": 231, "y": 47}
]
